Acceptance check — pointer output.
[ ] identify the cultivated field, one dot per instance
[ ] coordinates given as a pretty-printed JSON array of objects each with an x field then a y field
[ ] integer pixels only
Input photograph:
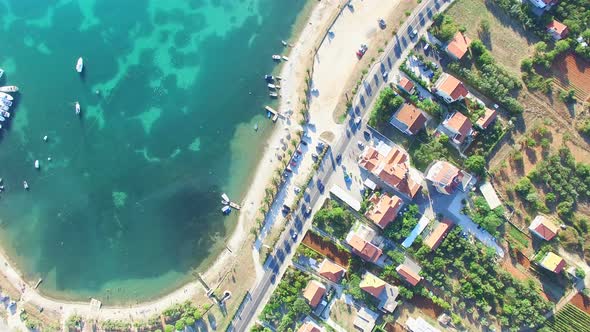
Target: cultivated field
[
  {"x": 572, "y": 72},
  {"x": 571, "y": 319}
]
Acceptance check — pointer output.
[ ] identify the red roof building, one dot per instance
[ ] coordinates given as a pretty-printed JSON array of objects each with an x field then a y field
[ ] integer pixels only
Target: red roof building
[
  {"x": 459, "y": 126},
  {"x": 408, "y": 274},
  {"x": 409, "y": 119},
  {"x": 450, "y": 88},
  {"x": 308, "y": 327},
  {"x": 393, "y": 169},
  {"x": 458, "y": 46},
  {"x": 406, "y": 85},
  {"x": 331, "y": 271},
  {"x": 434, "y": 239},
  {"x": 557, "y": 30},
  {"x": 543, "y": 228},
  {"x": 364, "y": 249},
  {"x": 314, "y": 292},
  {"x": 487, "y": 119},
  {"x": 444, "y": 176},
  {"x": 384, "y": 209}
]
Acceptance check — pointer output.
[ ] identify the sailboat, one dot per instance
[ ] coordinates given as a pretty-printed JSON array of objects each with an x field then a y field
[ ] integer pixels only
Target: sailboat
[{"x": 80, "y": 65}]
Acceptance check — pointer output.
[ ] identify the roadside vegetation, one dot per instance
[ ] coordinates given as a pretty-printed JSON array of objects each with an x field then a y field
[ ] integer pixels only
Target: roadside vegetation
[
  {"x": 385, "y": 106},
  {"x": 334, "y": 219}
]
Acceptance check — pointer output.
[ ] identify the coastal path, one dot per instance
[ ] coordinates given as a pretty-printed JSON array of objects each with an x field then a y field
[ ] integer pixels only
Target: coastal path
[{"x": 279, "y": 260}]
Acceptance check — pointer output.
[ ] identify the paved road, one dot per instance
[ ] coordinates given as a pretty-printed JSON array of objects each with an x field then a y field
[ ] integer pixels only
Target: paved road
[{"x": 277, "y": 263}]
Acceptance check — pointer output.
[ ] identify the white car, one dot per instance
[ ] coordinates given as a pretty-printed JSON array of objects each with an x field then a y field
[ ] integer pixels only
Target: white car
[{"x": 297, "y": 189}]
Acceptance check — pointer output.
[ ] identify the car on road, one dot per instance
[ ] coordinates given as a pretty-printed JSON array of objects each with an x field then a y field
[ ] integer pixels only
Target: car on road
[
  {"x": 304, "y": 142},
  {"x": 293, "y": 234},
  {"x": 361, "y": 145},
  {"x": 273, "y": 278},
  {"x": 339, "y": 159},
  {"x": 321, "y": 187},
  {"x": 413, "y": 33},
  {"x": 299, "y": 151}
]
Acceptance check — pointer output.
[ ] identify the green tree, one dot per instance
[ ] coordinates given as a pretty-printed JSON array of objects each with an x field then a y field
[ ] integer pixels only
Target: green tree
[
  {"x": 300, "y": 307},
  {"x": 168, "y": 328},
  {"x": 476, "y": 164}
]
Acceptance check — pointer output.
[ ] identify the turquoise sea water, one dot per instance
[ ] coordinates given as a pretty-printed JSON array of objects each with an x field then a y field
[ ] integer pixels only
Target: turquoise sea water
[{"x": 129, "y": 204}]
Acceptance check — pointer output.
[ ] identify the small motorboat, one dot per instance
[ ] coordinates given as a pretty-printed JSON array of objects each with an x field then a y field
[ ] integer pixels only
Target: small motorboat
[
  {"x": 5, "y": 102},
  {"x": 4, "y": 107},
  {"x": 278, "y": 78},
  {"x": 273, "y": 95},
  {"x": 256, "y": 127},
  {"x": 2, "y": 119},
  {"x": 273, "y": 86},
  {"x": 1, "y": 72},
  {"x": 284, "y": 43},
  {"x": 226, "y": 209},
  {"x": 285, "y": 58},
  {"x": 276, "y": 57},
  {"x": 6, "y": 96},
  {"x": 80, "y": 65},
  {"x": 5, "y": 114},
  {"x": 224, "y": 197},
  {"x": 37, "y": 164},
  {"x": 9, "y": 88},
  {"x": 269, "y": 78},
  {"x": 25, "y": 185},
  {"x": 77, "y": 108},
  {"x": 45, "y": 138}
]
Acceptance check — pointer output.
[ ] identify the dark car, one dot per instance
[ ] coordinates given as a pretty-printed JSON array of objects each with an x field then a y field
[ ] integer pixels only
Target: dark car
[
  {"x": 321, "y": 187},
  {"x": 338, "y": 159},
  {"x": 303, "y": 142}
]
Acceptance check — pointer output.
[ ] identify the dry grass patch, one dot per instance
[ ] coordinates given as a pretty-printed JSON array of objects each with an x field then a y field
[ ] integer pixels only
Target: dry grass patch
[
  {"x": 507, "y": 41},
  {"x": 343, "y": 314}
]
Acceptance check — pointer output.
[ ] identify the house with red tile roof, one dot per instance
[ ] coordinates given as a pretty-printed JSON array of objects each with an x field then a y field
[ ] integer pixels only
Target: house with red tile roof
[
  {"x": 409, "y": 275},
  {"x": 458, "y": 127},
  {"x": 384, "y": 209},
  {"x": 406, "y": 85},
  {"x": 458, "y": 46},
  {"x": 314, "y": 292},
  {"x": 434, "y": 239},
  {"x": 445, "y": 177},
  {"x": 450, "y": 88},
  {"x": 363, "y": 248},
  {"x": 331, "y": 271},
  {"x": 409, "y": 119},
  {"x": 392, "y": 167},
  {"x": 488, "y": 118},
  {"x": 542, "y": 227},
  {"x": 309, "y": 327},
  {"x": 557, "y": 30},
  {"x": 381, "y": 290}
]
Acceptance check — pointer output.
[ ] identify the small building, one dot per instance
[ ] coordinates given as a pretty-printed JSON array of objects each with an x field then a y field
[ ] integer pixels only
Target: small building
[
  {"x": 378, "y": 288},
  {"x": 331, "y": 271},
  {"x": 553, "y": 262},
  {"x": 450, "y": 88},
  {"x": 557, "y": 30},
  {"x": 341, "y": 194},
  {"x": 365, "y": 319},
  {"x": 314, "y": 292},
  {"x": 458, "y": 46},
  {"x": 363, "y": 248},
  {"x": 458, "y": 127},
  {"x": 445, "y": 177},
  {"x": 409, "y": 275},
  {"x": 434, "y": 239},
  {"x": 490, "y": 195},
  {"x": 543, "y": 228},
  {"x": 544, "y": 4},
  {"x": 487, "y": 119},
  {"x": 409, "y": 119},
  {"x": 309, "y": 326},
  {"x": 384, "y": 209},
  {"x": 419, "y": 325},
  {"x": 406, "y": 85},
  {"x": 391, "y": 165}
]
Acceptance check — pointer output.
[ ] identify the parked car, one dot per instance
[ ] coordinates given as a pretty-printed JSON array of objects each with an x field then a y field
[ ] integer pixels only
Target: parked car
[
  {"x": 314, "y": 156},
  {"x": 361, "y": 51},
  {"x": 361, "y": 145},
  {"x": 413, "y": 33},
  {"x": 297, "y": 189},
  {"x": 338, "y": 159},
  {"x": 367, "y": 134},
  {"x": 293, "y": 234},
  {"x": 382, "y": 24},
  {"x": 293, "y": 163},
  {"x": 304, "y": 142}
]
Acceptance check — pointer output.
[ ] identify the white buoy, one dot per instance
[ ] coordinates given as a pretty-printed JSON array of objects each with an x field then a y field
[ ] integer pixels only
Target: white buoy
[{"x": 45, "y": 138}]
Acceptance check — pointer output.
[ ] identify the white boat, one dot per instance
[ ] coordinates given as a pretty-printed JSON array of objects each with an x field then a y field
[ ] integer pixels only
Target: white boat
[
  {"x": 80, "y": 65},
  {"x": 37, "y": 164},
  {"x": 1, "y": 72},
  {"x": 9, "y": 88},
  {"x": 77, "y": 108},
  {"x": 276, "y": 57},
  {"x": 5, "y": 96},
  {"x": 285, "y": 58},
  {"x": 5, "y": 102},
  {"x": 224, "y": 197},
  {"x": 226, "y": 209},
  {"x": 284, "y": 43},
  {"x": 2, "y": 118},
  {"x": 273, "y": 95},
  {"x": 4, "y": 107},
  {"x": 5, "y": 114},
  {"x": 25, "y": 185},
  {"x": 273, "y": 86}
]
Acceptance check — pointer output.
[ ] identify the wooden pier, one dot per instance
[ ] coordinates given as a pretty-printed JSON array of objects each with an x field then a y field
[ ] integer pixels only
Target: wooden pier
[
  {"x": 234, "y": 205},
  {"x": 275, "y": 114}
]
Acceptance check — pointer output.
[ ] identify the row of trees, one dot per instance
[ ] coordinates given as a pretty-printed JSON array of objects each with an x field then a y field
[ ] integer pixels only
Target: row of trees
[
  {"x": 473, "y": 283},
  {"x": 387, "y": 103}
]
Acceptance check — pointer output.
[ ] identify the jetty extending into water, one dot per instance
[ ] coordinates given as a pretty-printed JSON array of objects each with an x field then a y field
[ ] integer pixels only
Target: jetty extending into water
[{"x": 275, "y": 114}]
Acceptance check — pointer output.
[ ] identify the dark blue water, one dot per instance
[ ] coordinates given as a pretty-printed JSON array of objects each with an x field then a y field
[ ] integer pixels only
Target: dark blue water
[{"x": 129, "y": 204}]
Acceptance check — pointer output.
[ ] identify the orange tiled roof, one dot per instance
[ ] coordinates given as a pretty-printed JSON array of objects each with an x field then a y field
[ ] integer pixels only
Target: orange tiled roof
[
  {"x": 331, "y": 270},
  {"x": 445, "y": 174},
  {"x": 313, "y": 293},
  {"x": 558, "y": 27},
  {"x": 544, "y": 227},
  {"x": 384, "y": 209},
  {"x": 406, "y": 84},
  {"x": 408, "y": 275},
  {"x": 453, "y": 87},
  {"x": 458, "y": 45},
  {"x": 412, "y": 117},
  {"x": 461, "y": 124},
  {"x": 489, "y": 116},
  {"x": 308, "y": 327},
  {"x": 366, "y": 250},
  {"x": 435, "y": 238}
]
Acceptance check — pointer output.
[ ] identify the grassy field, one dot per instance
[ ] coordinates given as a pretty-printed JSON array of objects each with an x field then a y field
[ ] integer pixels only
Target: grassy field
[
  {"x": 517, "y": 235},
  {"x": 507, "y": 41}
]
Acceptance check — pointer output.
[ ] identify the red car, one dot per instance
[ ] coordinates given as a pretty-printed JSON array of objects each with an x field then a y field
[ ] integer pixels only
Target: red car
[
  {"x": 293, "y": 163},
  {"x": 361, "y": 51}
]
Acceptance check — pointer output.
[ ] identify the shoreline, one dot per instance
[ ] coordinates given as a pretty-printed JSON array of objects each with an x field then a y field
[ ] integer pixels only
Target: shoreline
[{"x": 240, "y": 237}]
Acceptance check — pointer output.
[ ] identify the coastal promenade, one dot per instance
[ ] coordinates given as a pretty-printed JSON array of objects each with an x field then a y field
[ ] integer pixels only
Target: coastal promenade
[{"x": 278, "y": 261}]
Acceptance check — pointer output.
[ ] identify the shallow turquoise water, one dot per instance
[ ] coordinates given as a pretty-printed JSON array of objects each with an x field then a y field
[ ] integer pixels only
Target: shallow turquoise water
[{"x": 129, "y": 205}]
